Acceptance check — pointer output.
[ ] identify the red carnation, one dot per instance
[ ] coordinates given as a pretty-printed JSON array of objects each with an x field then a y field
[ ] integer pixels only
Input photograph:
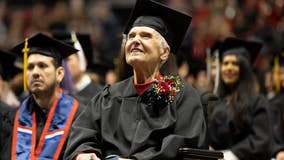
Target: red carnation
[
  {"x": 164, "y": 88},
  {"x": 167, "y": 87}
]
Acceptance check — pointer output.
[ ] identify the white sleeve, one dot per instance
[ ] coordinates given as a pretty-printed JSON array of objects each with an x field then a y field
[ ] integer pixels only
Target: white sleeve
[{"x": 229, "y": 155}]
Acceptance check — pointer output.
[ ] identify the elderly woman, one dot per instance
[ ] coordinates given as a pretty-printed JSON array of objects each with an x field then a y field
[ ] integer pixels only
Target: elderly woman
[
  {"x": 149, "y": 115},
  {"x": 239, "y": 122}
]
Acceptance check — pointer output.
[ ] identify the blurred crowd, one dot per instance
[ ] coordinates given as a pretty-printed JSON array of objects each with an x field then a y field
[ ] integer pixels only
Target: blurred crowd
[{"x": 104, "y": 20}]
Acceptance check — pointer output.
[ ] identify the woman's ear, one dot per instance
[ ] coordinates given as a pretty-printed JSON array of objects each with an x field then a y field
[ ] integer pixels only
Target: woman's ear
[
  {"x": 60, "y": 74},
  {"x": 165, "y": 53}
]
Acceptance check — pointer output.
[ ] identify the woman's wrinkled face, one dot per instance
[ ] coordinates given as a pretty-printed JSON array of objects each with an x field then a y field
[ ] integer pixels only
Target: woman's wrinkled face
[
  {"x": 230, "y": 70},
  {"x": 143, "y": 47}
]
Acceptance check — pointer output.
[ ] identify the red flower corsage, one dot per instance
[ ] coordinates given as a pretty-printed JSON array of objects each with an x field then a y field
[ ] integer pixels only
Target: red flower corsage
[{"x": 167, "y": 88}]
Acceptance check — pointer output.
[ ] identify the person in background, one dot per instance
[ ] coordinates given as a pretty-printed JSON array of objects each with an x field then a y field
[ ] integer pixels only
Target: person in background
[
  {"x": 150, "y": 114},
  {"x": 239, "y": 122},
  {"x": 213, "y": 66},
  {"x": 39, "y": 128},
  {"x": 111, "y": 77},
  {"x": 85, "y": 88},
  {"x": 7, "y": 71},
  {"x": 277, "y": 107},
  {"x": 269, "y": 84}
]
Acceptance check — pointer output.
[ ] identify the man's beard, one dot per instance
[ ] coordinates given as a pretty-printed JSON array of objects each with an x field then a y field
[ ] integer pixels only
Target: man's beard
[{"x": 49, "y": 89}]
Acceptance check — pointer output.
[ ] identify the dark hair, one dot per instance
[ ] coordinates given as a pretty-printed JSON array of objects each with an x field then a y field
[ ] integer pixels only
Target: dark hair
[
  {"x": 57, "y": 58},
  {"x": 170, "y": 66},
  {"x": 56, "y": 63},
  {"x": 123, "y": 70},
  {"x": 241, "y": 93}
]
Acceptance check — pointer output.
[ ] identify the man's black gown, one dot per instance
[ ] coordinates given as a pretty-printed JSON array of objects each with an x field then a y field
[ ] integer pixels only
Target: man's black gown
[{"x": 119, "y": 122}]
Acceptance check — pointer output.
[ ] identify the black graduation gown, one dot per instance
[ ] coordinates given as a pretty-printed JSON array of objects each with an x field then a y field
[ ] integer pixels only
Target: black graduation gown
[
  {"x": 7, "y": 126},
  {"x": 249, "y": 142},
  {"x": 7, "y": 115},
  {"x": 86, "y": 94},
  {"x": 277, "y": 123},
  {"x": 118, "y": 122}
]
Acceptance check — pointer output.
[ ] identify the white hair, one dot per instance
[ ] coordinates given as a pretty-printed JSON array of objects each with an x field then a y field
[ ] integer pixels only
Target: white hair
[{"x": 164, "y": 43}]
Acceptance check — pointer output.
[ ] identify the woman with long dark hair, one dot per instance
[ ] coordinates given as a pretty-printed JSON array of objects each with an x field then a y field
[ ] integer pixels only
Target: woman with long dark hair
[{"x": 239, "y": 121}]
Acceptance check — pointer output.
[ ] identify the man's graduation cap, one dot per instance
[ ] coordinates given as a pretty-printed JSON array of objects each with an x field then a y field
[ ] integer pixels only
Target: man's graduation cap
[
  {"x": 247, "y": 49},
  {"x": 171, "y": 24},
  {"x": 45, "y": 45},
  {"x": 7, "y": 66}
]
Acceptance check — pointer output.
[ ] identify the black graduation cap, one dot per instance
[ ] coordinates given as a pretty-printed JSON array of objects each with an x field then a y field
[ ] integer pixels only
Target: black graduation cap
[
  {"x": 215, "y": 47},
  {"x": 7, "y": 66},
  {"x": 280, "y": 56},
  {"x": 85, "y": 42},
  {"x": 83, "y": 38},
  {"x": 212, "y": 53},
  {"x": 277, "y": 58},
  {"x": 248, "y": 49},
  {"x": 171, "y": 24},
  {"x": 64, "y": 36},
  {"x": 43, "y": 44}
]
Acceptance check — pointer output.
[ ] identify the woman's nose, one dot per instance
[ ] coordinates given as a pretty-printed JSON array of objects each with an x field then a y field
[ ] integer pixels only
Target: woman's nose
[
  {"x": 230, "y": 65},
  {"x": 136, "y": 39}
]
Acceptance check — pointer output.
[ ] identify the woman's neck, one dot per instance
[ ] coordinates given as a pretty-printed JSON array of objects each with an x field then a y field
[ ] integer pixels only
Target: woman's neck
[{"x": 144, "y": 77}]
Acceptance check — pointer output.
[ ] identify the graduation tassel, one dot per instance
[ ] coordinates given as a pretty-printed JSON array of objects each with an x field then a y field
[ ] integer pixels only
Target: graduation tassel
[
  {"x": 25, "y": 51},
  {"x": 276, "y": 74},
  {"x": 208, "y": 65},
  {"x": 217, "y": 76},
  {"x": 80, "y": 53}
]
